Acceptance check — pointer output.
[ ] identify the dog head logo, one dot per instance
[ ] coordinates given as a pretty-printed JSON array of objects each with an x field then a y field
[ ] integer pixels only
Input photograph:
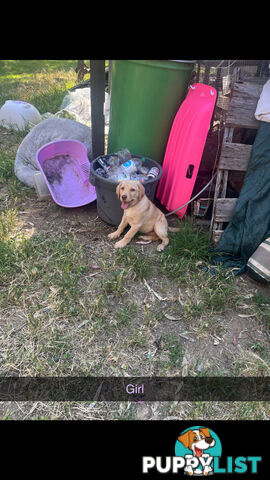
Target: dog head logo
[
  {"x": 198, "y": 445},
  {"x": 197, "y": 440}
]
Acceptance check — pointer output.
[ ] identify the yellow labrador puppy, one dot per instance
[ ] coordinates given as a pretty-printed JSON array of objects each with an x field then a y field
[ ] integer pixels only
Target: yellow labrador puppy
[{"x": 142, "y": 216}]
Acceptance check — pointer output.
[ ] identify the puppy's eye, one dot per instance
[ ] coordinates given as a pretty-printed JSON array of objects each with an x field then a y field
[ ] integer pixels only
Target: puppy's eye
[
  {"x": 195, "y": 438},
  {"x": 122, "y": 188},
  {"x": 132, "y": 189}
]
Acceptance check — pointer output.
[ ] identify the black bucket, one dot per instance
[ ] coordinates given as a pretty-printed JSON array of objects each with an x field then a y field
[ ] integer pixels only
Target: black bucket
[{"x": 108, "y": 205}]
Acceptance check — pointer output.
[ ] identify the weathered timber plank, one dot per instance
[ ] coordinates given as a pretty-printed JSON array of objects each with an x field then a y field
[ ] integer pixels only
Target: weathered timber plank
[
  {"x": 248, "y": 89},
  {"x": 243, "y": 105},
  {"x": 258, "y": 80},
  {"x": 224, "y": 209},
  {"x": 241, "y": 118},
  {"x": 234, "y": 156}
]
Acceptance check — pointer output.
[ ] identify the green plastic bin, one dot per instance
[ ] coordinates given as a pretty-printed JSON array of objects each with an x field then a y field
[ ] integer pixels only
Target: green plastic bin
[{"x": 145, "y": 97}]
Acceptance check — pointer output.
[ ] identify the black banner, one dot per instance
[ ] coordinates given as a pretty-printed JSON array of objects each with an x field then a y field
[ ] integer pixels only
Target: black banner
[
  {"x": 135, "y": 389},
  {"x": 106, "y": 449}
]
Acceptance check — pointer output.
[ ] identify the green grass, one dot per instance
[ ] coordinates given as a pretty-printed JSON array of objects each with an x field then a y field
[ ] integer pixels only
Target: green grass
[
  {"x": 27, "y": 80},
  {"x": 187, "y": 249},
  {"x": 173, "y": 345},
  {"x": 138, "y": 264},
  {"x": 124, "y": 315},
  {"x": 6, "y": 165},
  {"x": 262, "y": 305},
  {"x": 219, "y": 410},
  {"x": 10, "y": 69},
  {"x": 115, "y": 285},
  {"x": 30, "y": 263},
  {"x": 8, "y": 221}
]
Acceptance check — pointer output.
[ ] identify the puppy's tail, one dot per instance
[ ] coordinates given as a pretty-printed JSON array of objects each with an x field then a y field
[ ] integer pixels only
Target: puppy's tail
[{"x": 173, "y": 229}]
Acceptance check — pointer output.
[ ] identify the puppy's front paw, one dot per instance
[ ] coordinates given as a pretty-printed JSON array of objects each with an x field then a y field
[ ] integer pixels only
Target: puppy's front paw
[
  {"x": 207, "y": 469},
  {"x": 120, "y": 244},
  {"x": 113, "y": 235},
  {"x": 189, "y": 470}
]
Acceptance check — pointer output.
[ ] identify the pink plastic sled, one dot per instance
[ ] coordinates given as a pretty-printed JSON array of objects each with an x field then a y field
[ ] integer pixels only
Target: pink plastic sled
[
  {"x": 185, "y": 147},
  {"x": 65, "y": 167}
]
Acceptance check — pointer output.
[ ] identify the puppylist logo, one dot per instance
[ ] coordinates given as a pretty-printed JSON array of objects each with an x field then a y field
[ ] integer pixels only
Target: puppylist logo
[{"x": 198, "y": 452}]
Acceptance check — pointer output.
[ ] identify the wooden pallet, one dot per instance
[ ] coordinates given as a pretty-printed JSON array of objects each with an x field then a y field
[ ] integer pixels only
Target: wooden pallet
[{"x": 234, "y": 156}]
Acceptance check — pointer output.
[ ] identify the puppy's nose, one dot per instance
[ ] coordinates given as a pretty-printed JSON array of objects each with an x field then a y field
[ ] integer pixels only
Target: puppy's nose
[{"x": 124, "y": 197}]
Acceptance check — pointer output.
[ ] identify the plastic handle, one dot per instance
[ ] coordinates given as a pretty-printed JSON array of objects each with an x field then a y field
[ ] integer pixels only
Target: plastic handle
[{"x": 190, "y": 171}]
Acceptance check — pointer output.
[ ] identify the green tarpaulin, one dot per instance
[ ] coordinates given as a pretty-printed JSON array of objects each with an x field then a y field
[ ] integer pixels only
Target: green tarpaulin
[{"x": 250, "y": 224}]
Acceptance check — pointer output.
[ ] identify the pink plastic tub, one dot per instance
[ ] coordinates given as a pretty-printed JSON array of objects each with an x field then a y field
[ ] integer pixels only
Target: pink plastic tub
[
  {"x": 185, "y": 147},
  {"x": 65, "y": 167}
]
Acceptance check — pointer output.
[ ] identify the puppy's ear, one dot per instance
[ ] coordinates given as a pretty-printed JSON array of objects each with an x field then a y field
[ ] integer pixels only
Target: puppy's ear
[
  {"x": 205, "y": 431},
  {"x": 118, "y": 190},
  {"x": 185, "y": 439},
  {"x": 141, "y": 190}
]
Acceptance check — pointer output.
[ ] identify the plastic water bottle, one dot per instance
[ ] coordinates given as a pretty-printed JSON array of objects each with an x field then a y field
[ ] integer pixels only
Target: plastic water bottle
[
  {"x": 139, "y": 162},
  {"x": 139, "y": 177},
  {"x": 118, "y": 176},
  {"x": 113, "y": 161},
  {"x": 129, "y": 167},
  {"x": 143, "y": 170},
  {"x": 124, "y": 155}
]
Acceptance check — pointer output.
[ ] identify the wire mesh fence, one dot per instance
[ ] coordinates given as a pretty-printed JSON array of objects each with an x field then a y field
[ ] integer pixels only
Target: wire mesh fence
[{"x": 222, "y": 74}]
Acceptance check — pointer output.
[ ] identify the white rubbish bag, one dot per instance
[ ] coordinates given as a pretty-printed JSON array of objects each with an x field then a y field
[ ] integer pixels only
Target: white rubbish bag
[{"x": 18, "y": 115}]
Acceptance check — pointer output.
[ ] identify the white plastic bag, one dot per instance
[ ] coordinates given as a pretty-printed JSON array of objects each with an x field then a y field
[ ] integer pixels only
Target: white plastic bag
[
  {"x": 77, "y": 106},
  {"x": 262, "y": 112},
  {"x": 18, "y": 115}
]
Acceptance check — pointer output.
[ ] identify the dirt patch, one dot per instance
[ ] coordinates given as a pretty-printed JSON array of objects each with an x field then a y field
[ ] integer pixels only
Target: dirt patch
[{"x": 48, "y": 217}]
